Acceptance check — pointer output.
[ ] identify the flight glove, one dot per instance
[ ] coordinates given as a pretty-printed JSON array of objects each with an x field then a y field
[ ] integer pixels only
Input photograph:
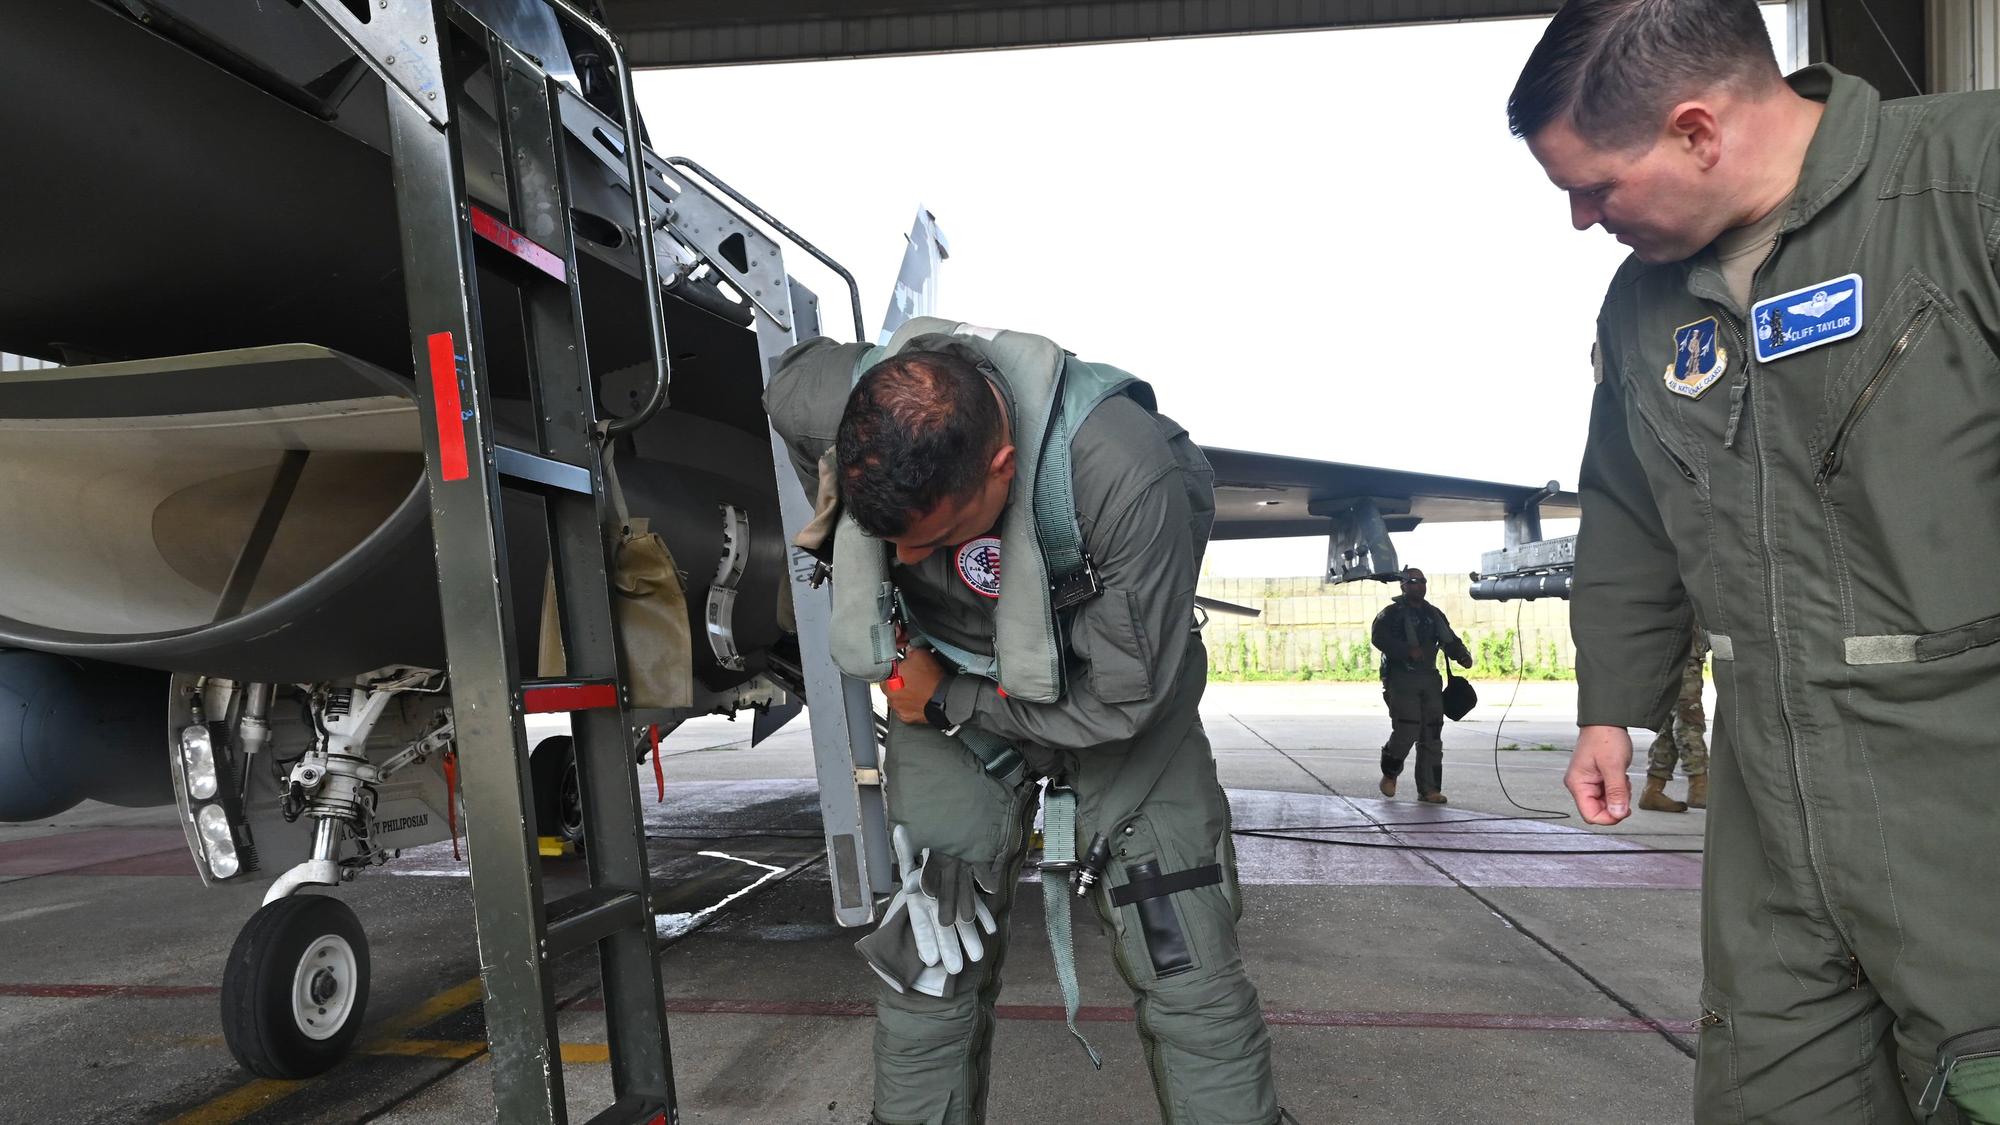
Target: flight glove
[{"x": 937, "y": 918}]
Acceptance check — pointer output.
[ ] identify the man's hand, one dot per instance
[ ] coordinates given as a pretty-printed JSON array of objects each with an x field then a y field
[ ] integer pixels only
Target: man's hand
[
  {"x": 1464, "y": 658},
  {"x": 1596, "y": 776},
  {"x": 1416, "y": 654},
  {"x": 921, "y": 672}
]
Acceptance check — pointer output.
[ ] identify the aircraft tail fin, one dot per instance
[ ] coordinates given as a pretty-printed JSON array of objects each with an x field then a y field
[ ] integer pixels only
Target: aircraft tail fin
[{"x": 916, "y": 281}]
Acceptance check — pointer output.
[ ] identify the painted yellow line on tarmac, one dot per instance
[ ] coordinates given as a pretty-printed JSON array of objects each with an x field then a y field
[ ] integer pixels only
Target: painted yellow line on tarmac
[
  {"x": 253, "y": 1096},
  {"x": 239, "y": 1103},
  {"x": 436, "y": 1008},
  {"x": 424, "y": 1048},
  {"x": 472, "y": 1048}
]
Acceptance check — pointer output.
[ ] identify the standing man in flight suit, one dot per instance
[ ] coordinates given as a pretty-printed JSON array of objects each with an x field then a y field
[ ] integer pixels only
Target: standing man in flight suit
[
  {"x": 1410, "y": 631},
  {"x": 1797, "y": 426},
  {"x": 934, "y": 460}
]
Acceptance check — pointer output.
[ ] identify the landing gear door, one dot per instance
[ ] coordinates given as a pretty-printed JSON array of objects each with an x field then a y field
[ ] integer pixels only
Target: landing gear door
[
  {"x": 846, "y": 752},
  {"x": 845, "y": 749}
]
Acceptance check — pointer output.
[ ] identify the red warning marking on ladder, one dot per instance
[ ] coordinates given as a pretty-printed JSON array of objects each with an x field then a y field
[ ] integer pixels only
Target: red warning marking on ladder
[
  {"x": 450, "y": 412},
  {"x": 517, "y": 244},
  {"x": 568, "y": 697}
]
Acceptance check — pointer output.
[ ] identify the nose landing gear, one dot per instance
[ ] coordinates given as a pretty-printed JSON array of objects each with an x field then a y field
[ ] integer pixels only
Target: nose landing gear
[{"x": 296, "y": 987}]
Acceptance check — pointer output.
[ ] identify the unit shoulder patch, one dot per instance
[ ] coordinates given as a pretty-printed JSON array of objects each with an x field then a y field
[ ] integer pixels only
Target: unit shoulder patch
[
  {"x": 979, "y": 565},
  {"x": 1699, "y": 358}
]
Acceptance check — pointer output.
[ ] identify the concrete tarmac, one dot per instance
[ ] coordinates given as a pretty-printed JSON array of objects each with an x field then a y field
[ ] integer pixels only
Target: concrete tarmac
[{"x": 1472, "y": 962}]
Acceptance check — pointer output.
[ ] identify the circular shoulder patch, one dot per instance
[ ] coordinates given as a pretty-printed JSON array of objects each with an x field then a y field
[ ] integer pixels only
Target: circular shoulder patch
[{"x": 979, "y": 565}]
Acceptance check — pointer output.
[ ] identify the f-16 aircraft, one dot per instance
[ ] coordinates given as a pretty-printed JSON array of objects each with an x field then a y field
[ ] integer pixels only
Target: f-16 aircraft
[{"x": 218, "y": 586}]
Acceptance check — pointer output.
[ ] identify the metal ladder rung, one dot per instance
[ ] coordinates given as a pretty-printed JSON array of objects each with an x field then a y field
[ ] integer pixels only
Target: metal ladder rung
[
  {"x": 631, "y": 1111},
  {"x": 543, "y": 472},
  {"x": 518, "y": 245},
  {"x": 585, "y": 918},
  {"x": 555, "y": 697}
]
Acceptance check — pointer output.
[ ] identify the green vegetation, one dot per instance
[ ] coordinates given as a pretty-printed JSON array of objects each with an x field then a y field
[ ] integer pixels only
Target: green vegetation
[{"x": 1268, "y": 655}]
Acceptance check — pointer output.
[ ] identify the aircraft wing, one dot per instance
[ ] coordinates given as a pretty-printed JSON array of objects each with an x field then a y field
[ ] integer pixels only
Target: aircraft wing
[{"x": 1267, "y": 496}]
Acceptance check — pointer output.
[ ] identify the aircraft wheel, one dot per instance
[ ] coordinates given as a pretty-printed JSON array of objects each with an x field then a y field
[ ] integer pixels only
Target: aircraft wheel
[
  {"x": 558, "y": 790},
  {"x": 295, "y": 987}
]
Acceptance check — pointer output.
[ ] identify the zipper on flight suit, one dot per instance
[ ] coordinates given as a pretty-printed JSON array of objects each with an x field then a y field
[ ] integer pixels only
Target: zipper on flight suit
[
  {"x": 1829, "y": 463},
  {"x": 1686, "y": 470},
  {"x": 1771, "y": 608}
]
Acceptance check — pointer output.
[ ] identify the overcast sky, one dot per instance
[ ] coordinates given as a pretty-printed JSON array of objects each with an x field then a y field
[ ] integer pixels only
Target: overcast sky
[{"x": 1323, "y": 244}]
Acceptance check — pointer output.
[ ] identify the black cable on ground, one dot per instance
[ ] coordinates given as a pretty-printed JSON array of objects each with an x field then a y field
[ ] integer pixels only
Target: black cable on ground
[
  {"x": 1637, "y": 849},
  {"x": 1520, "y": 673},
  {"x": 1673, "y": 1040}
]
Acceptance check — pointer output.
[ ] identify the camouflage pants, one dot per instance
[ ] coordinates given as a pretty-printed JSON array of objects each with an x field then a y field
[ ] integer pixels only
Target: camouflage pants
[{"x": 1682, "y": 738}]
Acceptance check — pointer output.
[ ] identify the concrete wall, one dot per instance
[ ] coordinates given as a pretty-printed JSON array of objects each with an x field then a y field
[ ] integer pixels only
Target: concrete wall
[{"x": 1311, "y": 627}]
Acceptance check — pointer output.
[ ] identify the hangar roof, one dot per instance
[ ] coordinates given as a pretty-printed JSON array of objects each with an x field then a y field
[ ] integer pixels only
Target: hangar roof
[{"x": 662, "y": 33}]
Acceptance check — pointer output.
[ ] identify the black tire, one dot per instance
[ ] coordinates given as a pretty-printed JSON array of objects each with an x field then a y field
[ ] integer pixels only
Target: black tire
[
  {"x": 558, "y": 793},
  {"x": 265, "y": 1027}
]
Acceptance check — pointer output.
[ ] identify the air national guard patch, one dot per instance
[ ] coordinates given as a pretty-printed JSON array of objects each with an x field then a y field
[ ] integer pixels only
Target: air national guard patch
[
  {"x": 1806, "y": 318},
  {"x": 1699, "y": 360},
  {"x": 979, "y": 565}
]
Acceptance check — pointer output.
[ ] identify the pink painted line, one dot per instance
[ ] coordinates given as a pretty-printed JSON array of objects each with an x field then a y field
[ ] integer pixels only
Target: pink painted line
[
  {"x": 76, "y": 851},
  {"x": 1034, "y": 1013},
  {"x": 108, "y": 991},
  {"x": 1463, "y": 1021}
]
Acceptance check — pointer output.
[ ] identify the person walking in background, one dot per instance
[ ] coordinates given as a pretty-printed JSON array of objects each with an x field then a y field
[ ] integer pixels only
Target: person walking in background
[
  {"x": 1409, "y": 632},
  {"x": 1681, "y": 739}
]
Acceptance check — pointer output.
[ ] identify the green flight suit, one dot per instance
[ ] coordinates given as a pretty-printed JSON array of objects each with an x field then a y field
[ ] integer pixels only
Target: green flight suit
[
  {"x": 1136, "y": 670},
  {"x": 1834, "y": 514},
  {"x": 1412, "y": 688}
]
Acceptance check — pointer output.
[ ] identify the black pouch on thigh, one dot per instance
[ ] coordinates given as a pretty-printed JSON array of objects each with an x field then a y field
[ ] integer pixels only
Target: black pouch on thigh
[
  {"x": 1967, "y": 1074},
  {"x": 1160, "y": 928}
]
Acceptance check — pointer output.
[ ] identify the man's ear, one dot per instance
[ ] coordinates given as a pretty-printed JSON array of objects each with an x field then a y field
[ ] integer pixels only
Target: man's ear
[
  {"x": 1002, "y": 464},
  {"x": 1694, "y": 126}
]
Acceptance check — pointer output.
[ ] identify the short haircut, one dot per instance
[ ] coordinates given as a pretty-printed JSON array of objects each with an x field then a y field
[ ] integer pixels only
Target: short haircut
[
  {"x": 919, "y": 429},
  {"x": 1613, "y": 68}
]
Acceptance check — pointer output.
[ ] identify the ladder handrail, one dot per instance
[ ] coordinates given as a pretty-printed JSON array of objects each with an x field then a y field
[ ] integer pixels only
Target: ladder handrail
[
  {"x": 853, "y": 290},
  {"x": 642, "y": 220}
]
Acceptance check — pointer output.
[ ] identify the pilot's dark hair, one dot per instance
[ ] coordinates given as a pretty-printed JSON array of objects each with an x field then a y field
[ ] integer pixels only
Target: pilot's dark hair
[
  {"x": 919, "y": 429},
  {"x": 1613, "y": 68}
]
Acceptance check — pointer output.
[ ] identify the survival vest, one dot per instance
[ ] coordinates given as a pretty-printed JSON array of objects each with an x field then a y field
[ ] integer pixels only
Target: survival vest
[{"x": 1047, "y": 573}]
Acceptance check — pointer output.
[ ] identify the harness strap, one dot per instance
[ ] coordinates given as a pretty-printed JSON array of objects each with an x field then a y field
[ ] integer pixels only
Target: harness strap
[
  {"x": 996, "y": 755},
  {"x": 1058, "y": 860},
  {"x": 1054, "y": 499},
  {"x": 1160, "y": 886}
]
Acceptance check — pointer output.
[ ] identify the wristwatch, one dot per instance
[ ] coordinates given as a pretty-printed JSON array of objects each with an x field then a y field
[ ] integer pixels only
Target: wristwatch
[{"x": 934, "y": 712}]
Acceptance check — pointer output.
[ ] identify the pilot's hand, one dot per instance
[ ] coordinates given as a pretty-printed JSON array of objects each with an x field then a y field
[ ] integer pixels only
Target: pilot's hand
[
  {"x": 921, "y": 672},
  {"x": 1596, "y": 776},
  {"x": 1464, "y": 659}
]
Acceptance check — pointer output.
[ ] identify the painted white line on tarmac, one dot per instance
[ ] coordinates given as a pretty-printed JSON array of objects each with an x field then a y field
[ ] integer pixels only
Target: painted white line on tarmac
[{"x": 671, "y": 926}]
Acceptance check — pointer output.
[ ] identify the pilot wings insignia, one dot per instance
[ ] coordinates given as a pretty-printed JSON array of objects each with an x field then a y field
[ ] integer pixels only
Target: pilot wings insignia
[{"x": 1821, "y": 303}]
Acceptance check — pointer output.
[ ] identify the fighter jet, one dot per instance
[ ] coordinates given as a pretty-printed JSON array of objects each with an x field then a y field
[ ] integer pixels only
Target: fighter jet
[{"x": 218, "y": 587}]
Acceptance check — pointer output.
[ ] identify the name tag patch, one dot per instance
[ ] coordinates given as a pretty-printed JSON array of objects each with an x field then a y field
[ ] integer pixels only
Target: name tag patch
[
  {"x": 979, "y": 565},
  {"x": 1699, "y": 358},
  {"x": 1807, "y": 318}
]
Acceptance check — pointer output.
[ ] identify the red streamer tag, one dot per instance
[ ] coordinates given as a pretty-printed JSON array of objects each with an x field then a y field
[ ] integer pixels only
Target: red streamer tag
[{"x": 659, "y": 771}]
